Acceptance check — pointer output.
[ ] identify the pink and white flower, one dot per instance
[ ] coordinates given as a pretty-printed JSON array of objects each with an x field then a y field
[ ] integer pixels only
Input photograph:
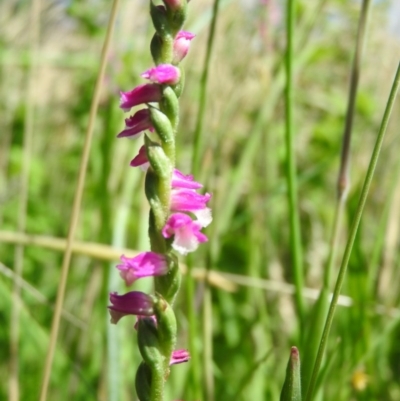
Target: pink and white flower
[
  {"x": 163, "y": 74},
  {"x": 187, "y": 200},
  {"x": 143, "y": 265},
  {"x": 186, "y": 233}
]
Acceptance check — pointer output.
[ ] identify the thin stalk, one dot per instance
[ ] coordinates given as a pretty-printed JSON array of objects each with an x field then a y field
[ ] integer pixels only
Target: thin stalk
[
  {"x": 76, "y": 205},
  {"x": 353, "y": 232},
  {"x": 207, "y": 322},
  {"x": 334, "y": 241},
  {"x": 198, "y": 143},
  {"x": 197, "y": 151},
  {"x": 14, "y": 393},
  {"x": 195, "y": 387},
  {"x": 343, "y": 182},
  {"x": 208, "y": 346},
  {"x": 294, "y": 218},
  {"x": 343, "y": 187}
]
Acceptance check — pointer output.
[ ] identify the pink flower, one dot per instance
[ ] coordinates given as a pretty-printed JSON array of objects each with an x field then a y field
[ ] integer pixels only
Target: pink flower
[
  {"x": 146, "y": 93},
  {"x": 143, "y": 265},
  {"x": 163, "y": 74},
  {"x": 132, "y": 303},
  {"x": 181, "y": 45},
  {"x": 187, "y": 200},
  {"x": 180, "y": 180},
  {"x": 136, "y": 124},
  {"x": 186, "y": 232},
  {"x": 140, "y": 160},
  {"x": 179, "y": 356}
]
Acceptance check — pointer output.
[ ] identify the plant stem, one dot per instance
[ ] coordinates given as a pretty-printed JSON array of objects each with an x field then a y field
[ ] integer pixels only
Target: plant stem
[
  {"x": 343, "y": 187},
  {"x": 294, "y": 218},
  {"x": 76, "y": 206},
  {"x": 193, "y": 327},
  {"x": 353, "y": 232},
  {"x": 197, "y": 146},
  {"x": 14, "y": 391},
  {"x": 343, "y": 183}
]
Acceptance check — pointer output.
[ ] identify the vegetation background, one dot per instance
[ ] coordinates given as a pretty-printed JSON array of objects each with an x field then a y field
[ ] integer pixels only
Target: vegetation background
[{"x": 241, "y": 321}]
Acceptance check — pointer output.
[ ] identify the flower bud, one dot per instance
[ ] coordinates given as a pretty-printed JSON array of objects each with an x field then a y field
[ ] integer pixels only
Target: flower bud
[{"x": 181, "y": 45}]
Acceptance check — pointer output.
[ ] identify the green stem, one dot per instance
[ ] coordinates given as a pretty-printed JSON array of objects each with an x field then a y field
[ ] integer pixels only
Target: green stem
[
  {"x": 169, "y": 149},
  {"x": 334, "y": 242},
  {"x": 193, "y": 327},
  {"x": 343, "y": 186},
  {"x": 294, "y": 218},
  {"x": 343, "y": 181},
  {"x": 207, "y": 341},
  {"x": 197, "y": 146},
  {"x": 353, "y": 232},
  {"x": 14, "y": 379},
  {"x": 157, "y": 385}
]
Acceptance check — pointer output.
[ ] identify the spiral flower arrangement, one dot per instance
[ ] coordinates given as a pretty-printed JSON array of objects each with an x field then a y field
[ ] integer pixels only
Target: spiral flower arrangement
[{"x": 177, "y": 211}]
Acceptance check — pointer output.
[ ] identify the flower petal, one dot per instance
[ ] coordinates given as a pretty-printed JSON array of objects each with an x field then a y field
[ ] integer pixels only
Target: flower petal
[
  {"x": 131, "y": 303},
  {"x": 163, "y": 74},
  {"x": 143, "y": 265},
  {"x": 146, "y": 93},
  {"x": 186, "y": 232}
]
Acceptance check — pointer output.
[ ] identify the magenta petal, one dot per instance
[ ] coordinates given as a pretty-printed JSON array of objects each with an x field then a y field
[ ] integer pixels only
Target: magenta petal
[
  {"x": 179, "y": 356},
  {"x": 163, "y": 74},
  {"x": 187, "y": 200},
  {"x": 136, "y": 124},
  {"x": 132, "y": 303},
  {"x": 146, "y": 93},
  {"x": 143, "y": 265},
  {"x": 140, "y": 160},
  {"x": 180, "y": 180}
]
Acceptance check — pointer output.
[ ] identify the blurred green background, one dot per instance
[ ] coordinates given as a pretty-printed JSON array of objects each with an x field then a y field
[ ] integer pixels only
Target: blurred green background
[{"x": 240, "y": 325}]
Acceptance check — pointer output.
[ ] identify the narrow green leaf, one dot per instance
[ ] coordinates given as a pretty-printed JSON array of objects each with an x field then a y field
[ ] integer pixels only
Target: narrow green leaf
[{"x": 291, "y": 390}]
